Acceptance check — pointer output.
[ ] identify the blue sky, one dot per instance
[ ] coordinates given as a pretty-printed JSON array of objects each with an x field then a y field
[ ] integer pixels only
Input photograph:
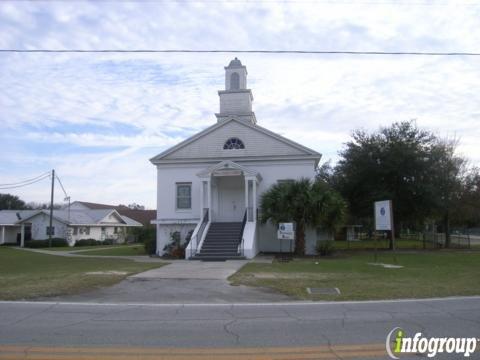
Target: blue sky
[{"x": 98, "y": 118}]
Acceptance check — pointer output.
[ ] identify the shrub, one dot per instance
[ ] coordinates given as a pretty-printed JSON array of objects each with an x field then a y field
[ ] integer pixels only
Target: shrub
[
  {"x": 144, "y": 233},
  {"x": 107, "y": 242},
  {"x": 325, "y": 247},
  {"x": 56, "y": 242},
  {"x": 175, "y": 249},
  {"x": 87, "y": 242},
  {"x": 150, "y": 245}
]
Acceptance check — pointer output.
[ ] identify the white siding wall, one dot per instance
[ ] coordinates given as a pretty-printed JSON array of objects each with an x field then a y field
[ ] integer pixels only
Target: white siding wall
[
  {"x": 39, "y": 227},
  {"x": 270, "y": 172},
  {"x": 96, "y": 233},
  {"x": 235, "y": 102}
]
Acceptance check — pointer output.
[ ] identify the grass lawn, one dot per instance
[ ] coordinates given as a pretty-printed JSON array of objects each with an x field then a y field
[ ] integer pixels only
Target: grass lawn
[
  {"x": 425, "y": 274},
  {"x": 27, "y": 275},
  {"x": 117, "y": 251}
]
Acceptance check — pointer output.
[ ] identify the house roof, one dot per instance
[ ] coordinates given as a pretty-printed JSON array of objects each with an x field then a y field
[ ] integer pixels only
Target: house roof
[
  {"x": 73, "y": 217},
  {"x": 307, "y": 152},
  {"x": 96, "y": 206},
  {"x": 11, "y": 217},
  {"x": 142, "y": 216}
]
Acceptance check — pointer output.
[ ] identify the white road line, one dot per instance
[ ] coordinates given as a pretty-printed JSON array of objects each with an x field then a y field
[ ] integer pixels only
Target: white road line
[{"x": 294, "y": 303}]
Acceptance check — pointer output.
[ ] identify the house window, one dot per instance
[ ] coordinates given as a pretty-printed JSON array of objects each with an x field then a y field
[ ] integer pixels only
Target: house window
[
  {"x": 233, "y": 144},
  {"x": 234, "y": 81},
  {"x": 115, "y": 230},
  {"x": 184, "y": 196},
  {"x": 84, "y": 230},
  {"x": 52, "y": 232},
  {"x": 75, "y": 231}
]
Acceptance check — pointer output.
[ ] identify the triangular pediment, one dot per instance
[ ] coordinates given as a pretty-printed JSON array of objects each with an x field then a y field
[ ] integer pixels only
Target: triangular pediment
[
  {"x": 259, "y": 143},
  {"x": 113, "y": 217},
  {"x": 226, "y": 167}
]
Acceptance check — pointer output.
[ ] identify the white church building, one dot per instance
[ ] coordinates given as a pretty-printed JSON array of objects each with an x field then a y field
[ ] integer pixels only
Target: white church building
[{"x": 212, "y": 182}]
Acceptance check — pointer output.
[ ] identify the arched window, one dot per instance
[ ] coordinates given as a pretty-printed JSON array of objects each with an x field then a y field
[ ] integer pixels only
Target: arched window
[
  {"x": 234, "y": 81},
  {"x": 233, "y": 143}
]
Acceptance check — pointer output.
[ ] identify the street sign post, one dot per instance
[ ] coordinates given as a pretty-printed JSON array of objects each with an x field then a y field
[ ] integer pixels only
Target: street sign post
[
  {"x": 383, "y": 215},
  {"x": 286, "y": 232}
]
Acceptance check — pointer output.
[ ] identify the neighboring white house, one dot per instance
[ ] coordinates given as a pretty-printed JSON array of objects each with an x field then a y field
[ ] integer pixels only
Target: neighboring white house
[
  {"x": 219, "y": 174},
  {"x": 16, "y": 226}
]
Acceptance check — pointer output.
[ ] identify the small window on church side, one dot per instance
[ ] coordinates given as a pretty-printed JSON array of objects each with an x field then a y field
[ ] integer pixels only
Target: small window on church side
[
  {"x": 184, "y": 196},
  {"x": 235, "y": 81},
  {"x": 233, "y": 144}
]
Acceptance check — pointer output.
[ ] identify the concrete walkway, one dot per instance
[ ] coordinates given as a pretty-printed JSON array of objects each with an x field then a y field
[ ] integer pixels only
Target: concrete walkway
[{"x": 191, "y": 269}]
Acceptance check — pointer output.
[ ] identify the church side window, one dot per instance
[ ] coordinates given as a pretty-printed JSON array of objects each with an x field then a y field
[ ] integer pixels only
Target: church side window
[
  {"x": 233, "y": 144},
  {"x": 184, "y": 196}
]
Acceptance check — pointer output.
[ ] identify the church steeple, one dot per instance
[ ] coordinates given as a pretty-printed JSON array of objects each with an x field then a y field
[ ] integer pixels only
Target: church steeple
[{"x": 236, "y": 100}]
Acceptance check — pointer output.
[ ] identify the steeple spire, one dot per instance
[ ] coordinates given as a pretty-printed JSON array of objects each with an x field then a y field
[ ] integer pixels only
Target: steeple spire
[{"x": 236, "y": 100}]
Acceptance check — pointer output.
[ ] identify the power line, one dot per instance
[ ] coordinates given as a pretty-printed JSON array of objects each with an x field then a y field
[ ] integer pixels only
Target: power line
[
  {"x": 24, "y": 181},
  {"x": 61, "y": 185},
  {"x": 25, "y": 184},
  {"x": 321, "y": 2},
  {"x": 315, "y": 52}
]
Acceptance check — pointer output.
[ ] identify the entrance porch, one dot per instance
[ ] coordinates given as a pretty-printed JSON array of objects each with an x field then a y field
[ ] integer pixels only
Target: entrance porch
[{"x": 228, "y": 196}]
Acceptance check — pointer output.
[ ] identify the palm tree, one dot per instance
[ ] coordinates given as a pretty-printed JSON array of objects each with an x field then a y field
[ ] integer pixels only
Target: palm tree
[{"x": 306, "y": 203}]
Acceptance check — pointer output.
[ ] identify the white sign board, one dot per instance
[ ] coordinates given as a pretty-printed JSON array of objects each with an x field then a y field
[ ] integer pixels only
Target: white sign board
[
  {"x": 286, "y": 231},
  {"x": 383, "y": 215}
]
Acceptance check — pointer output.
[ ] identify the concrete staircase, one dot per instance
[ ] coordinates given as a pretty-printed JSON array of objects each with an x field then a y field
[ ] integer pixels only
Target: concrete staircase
[{"x": 221, "y": 242}]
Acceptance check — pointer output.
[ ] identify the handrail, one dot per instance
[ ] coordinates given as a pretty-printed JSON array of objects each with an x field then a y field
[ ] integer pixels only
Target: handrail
[
  {"x": 244, "y": 221},
  {"x": 205, "y": 220}
]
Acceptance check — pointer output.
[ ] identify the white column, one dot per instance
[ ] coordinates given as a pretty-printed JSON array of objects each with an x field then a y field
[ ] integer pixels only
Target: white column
[
  {"x": 22, "y": 236},
  {"x": 246, "y": 196},
  {"x": 201, "y": 200},
  {"x": 254, "y": 197},
  {"x": 3, "y": 234},
  {"x": 209, "y": 200}
]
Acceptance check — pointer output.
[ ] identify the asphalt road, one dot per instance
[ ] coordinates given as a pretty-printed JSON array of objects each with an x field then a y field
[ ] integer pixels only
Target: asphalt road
[{"x": 344, "y": 330}]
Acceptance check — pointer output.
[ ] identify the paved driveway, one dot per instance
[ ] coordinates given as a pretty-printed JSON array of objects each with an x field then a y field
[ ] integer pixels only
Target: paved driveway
[
  {"x": 189, "y": 269},
  {"x": 184, "y": 282}
]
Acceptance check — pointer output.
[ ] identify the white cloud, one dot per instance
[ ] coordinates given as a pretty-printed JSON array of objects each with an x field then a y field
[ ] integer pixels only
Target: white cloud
[{"x": 98, "y": 118}]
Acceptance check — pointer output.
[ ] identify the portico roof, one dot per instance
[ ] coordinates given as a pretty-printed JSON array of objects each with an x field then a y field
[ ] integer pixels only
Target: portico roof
[{"x": 226, "y": 166}]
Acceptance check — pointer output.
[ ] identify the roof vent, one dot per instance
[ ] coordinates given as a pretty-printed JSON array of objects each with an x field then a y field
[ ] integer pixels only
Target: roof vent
[{"x": 18, "y": 216}]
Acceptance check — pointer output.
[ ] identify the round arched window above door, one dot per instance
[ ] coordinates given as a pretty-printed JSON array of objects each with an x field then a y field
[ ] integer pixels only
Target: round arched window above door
[{"x": 233, "y": 144}]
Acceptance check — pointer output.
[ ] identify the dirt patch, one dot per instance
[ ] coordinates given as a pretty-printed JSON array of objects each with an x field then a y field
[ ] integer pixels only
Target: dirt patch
[
  {"x": 106, "y": 273},
  {"x": 298, "y": 275}
]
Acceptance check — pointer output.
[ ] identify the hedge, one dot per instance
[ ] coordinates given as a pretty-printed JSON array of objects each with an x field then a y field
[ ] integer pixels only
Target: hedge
[{"x": 56, "y": 242}]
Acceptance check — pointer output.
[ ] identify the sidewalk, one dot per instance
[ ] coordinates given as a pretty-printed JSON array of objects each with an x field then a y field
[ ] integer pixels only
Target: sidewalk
[{"x": 193, "y": 269}]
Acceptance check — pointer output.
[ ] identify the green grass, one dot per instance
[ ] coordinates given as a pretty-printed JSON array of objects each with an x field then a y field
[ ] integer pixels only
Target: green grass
[
  {"x": 117, "y": 251},
  {"x": 27, "y": 275},
  {"x": 425, "y": 274}
]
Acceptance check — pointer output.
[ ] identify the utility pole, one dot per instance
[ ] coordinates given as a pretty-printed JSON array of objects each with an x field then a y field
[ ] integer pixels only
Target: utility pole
[{"x": 51, "y": 210}]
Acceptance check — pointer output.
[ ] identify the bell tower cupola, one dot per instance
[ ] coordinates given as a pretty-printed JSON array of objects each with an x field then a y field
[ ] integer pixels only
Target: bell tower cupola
[{"x": 236, "y": 100}]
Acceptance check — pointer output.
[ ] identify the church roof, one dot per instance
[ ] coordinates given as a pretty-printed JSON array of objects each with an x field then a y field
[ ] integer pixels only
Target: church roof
[{"x": 298, "y": 151}]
